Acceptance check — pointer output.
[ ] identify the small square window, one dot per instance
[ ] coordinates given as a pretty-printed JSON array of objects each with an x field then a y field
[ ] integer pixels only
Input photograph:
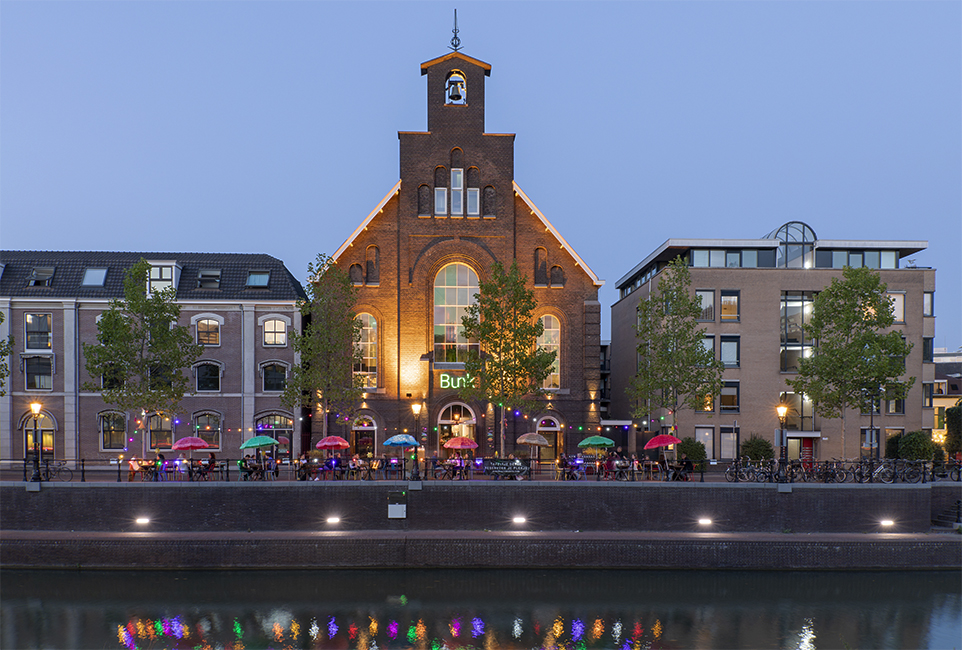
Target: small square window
[
  {"x": 208, "y": 377},
  {"x": 39, "y": 372},
  {"x": 699, "y": 258},
  {"x": 258, "y": 278},
  {"x": 716, "y": 259},
  {"x": 94, "y": 277},
  {"x": 38, "y": 331},
  {"x": 733, "y": 259},
  {"x": 730, "y": 355},
  {"x": 208, "y": 332},
  {"x": 275, "y": 378},
  {"x": 275, "y": 332},
  {"x": 729, "y": 396},
  {"x": 161, "y": 277}
]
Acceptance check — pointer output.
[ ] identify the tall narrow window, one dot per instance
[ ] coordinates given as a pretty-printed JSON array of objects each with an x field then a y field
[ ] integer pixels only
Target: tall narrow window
[
  {"x": 45, "y": 434},
  {"x": 474, "y": 192},
  {"x": 730, "y": 354},
  {"x": 796, "y": 310},
  {"x": 540, "y": 267},
  {"x": 706, "y": 435},
  {"x": 928, "y": 303},
  {"x": 729, "y": 397},
  {"x": 366, "y": 370},
  {"x": 457, "y": 192},
  {"x": 113, "y": 430},
  {"x": 424, "y": 201},
  {"x": 729, "y": 305},
  {"x": 898, "y": 306},
  {"x": 707, "y": 298},
  {"x": 373, "y": 262},
  {"x": 440, "y": 192},
  {"x": 208, "y": 332},
  {"x": 550, "y": 341},
  {"x": 38, "y": 331},
  {"x": 161, "y": 434},
  {"x": 490, "y": 203},
  {"x": 207, "y": 428},
  {"x": 454, "y": 289}
]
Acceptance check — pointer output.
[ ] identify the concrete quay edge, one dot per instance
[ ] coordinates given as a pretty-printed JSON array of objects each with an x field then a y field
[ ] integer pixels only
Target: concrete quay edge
[{"x": 384, "y": 549}]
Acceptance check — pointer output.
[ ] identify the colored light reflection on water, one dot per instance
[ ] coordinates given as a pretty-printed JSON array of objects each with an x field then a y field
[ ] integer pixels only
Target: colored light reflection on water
[{"x": 477, "y": 609}]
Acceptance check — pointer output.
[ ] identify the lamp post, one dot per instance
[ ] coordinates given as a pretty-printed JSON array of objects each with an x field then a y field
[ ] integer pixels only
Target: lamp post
[
  {"x": 35, "y": 409},
  {"x": 416, "y": 408},
  {"x": 782, "y": 410}
]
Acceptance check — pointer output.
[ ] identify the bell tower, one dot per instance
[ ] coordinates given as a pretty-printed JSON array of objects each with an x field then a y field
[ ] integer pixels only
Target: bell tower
[{"x": 456, "y": 93}]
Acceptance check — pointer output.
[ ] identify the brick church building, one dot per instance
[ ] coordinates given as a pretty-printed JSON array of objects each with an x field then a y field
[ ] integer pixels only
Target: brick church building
[{"x": 417, "y": 259}]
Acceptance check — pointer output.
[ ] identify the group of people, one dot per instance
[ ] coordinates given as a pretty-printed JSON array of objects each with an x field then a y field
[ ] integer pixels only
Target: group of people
[{"x": 156, "y": 470}]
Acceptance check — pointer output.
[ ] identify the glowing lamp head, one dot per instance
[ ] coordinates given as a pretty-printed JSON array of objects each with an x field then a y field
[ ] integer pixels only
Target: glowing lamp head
[
  {"x": 35, "y": 408},
  {"x": 416, "y": 407},
  {"x": 782, "y": 410}
]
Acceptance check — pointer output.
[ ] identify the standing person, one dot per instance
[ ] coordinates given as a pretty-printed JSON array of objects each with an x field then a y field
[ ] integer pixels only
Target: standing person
[{"x": 160, "y": 468}]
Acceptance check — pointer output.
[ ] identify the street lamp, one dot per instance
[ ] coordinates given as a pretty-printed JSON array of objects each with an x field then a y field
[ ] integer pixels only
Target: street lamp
[
  {"x": 782, "y": 410},
  {"x": 35, "y": 409},
  {"x": 416, "y": 408}
]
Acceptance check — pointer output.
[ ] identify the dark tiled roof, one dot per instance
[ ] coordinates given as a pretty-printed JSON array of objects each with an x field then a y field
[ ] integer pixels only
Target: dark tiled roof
[{"x": 70, "y": 266}]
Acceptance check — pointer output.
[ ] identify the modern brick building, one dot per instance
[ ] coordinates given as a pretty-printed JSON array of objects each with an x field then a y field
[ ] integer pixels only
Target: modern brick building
[
  {"x": 240, "y": 307},
  {"x": 756, "y": 295},
  {"x": 417, "y": 259}
]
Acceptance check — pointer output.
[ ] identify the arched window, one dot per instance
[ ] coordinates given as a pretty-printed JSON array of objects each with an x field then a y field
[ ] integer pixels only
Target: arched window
[
  {"x": 557, "y": 276},
  {"x": 275, "y": 332},
  {"x": 456, "y": 420},
  {"x": 357, "y": 274},
  {"x": 550, "y": 340},
  {"x": 457, "y": 158},
  {"x": 208, "y": 377},
  {"x": 113, "y": 431},
  {"x": 275, "y": 377},
  {"x": 277, "y": 426},
  {"x": 551, "y": 430},
  {"x": 540, "y": 267},
  {"x": 364, "y": 434},
  {"x": 454, "y": 290},
  {"x": 455, "y": 88},
  {"x": 490, "y": 207},
  {"x": 373, "y": 260},
  {"x": 367, "y": 368},
  {"x": 796, "y": 247},
  {"x": 424, "y": 201},
  {"x": 45, "y": 431},
  {"x": 161, "y": 433},
  {"x": 208, "y": 332},
  {"x": 207, "y": 428}
]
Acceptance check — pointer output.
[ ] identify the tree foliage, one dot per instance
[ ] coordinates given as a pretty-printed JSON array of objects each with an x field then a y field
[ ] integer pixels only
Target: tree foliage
[
  {"x": 328, "y": 345},
  {"x": 675, "y": 369},
  {"x": 6, "y": 349},
  {"x": 757, "y": 448},
  {"x": 511, "y": 368},
  {"x": 953, "y": 429},
  {"x": 855, "y": 361},
  {"x": 141, "y": 352}
]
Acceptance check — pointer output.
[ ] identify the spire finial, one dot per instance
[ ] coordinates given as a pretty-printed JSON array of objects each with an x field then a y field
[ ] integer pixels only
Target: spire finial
[{"x": 455, "y": 41}]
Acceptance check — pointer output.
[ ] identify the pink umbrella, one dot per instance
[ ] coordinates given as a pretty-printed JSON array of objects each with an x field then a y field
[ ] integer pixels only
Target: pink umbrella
[
  {"x": 461, "y": 443},
  {"x": 333, "y": 442},
  {"x": 190, "y": 443},
  {"x": 662, "y": 440},
  {"x": 284, "y": 440}
]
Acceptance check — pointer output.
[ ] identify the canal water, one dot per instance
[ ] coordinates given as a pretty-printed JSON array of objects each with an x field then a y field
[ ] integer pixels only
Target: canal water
[{"x": 484, "y": 609}]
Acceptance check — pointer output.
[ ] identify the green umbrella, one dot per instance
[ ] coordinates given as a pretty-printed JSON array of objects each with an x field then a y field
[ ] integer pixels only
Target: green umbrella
[
  {"x": 259, "y": 441},
  {"x": 596, "y": 441}
]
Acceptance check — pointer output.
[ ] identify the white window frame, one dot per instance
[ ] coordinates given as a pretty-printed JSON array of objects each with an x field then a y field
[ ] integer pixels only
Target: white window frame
[
  {"x": 440, "y": 201},
  {"x": 457, "y": 192},
  {"x": 474, "y": 199},
  {"x": 94, "y": 277},
  {"x": 262, "y": 367},
  {"x": 26, "y": 336},
  {"x": 100, "y": 430},
  {"x": 897, "y": 298},
  {"x": 220, "y": 375},
  {"x": 262, "y": 323},
  {"x": 25, "y": 358}
]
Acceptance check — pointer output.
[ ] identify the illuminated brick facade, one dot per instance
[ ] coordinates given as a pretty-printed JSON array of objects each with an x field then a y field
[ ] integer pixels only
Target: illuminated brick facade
[{"x": 457, "y": 204}]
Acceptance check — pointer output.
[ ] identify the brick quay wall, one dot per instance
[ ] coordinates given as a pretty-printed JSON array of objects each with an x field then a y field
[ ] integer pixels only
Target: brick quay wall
[{"x": 471, "y": 524}]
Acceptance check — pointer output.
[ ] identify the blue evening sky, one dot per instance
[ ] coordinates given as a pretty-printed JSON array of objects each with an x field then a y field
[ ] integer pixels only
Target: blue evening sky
[{"x": 272, "y": 126}]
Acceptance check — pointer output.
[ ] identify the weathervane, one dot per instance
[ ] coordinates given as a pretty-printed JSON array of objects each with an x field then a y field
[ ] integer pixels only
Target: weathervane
[{"x": 455, "y": 41}]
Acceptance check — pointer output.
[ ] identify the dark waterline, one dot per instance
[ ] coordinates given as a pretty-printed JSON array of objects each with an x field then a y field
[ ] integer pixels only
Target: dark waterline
[{"x": 428, "y": 609}]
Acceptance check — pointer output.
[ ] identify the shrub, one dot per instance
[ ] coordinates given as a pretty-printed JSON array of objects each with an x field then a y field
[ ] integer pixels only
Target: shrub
[
  {"x": 917, "y": 445},
  {"x": 695, "y": 451},
  {"x": 757, "y": 448},
  {"x": 953, "y": 430}
]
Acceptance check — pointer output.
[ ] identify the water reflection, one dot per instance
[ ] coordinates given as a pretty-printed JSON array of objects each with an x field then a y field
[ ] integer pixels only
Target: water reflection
[{"x": 482, "y": 609}]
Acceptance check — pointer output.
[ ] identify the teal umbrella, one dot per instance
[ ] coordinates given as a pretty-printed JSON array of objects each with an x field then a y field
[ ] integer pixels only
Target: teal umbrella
[
  {"x": 259, "y": 441},
  {"x": 596, "y": 441},
  {"x": 402, "y": 440}
]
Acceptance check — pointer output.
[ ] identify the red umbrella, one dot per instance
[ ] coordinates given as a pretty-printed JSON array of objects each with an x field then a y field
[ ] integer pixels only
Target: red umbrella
[
  {"x": 333, "y": 442},
  {"x": 662, "y": 440},
  {"x": 284, "y": 440},
  {"x": 461, "y": 443},
  {"x": 190, "y": 443}
]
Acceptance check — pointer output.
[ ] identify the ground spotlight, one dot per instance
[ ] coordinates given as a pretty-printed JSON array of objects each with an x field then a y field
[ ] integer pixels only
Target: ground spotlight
[
  {"x": 704, "y": 521},
  {"x": 519, "y": 520},
  {"x": 333, "y": 520},
  {"x": 142, "y": 520},
  {"x": 887, "y": 522}
]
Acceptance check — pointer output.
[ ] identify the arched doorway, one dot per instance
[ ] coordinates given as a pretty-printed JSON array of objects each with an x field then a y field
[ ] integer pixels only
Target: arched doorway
[
  {"x": 45, "y": 435},
  {"x": 456, "y": 420},
  {"x": 364, "y": 436},
  {"x": 551, "y": 429}
]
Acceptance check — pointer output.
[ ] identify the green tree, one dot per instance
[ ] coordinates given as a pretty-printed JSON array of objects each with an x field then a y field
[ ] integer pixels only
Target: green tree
[
  {"x": 675, "y": 369},
  {"x": 511, "y": 368},
  {"x": 6, "y": 349},
  {"x": 695, "y": 450},
  {"x": 892, "y": 445},
  {"x": 953, "y": 429},
  {"x": 757, "y": 448},
  {"x": 328, "y": 346},
  {"x": 141, "y": 352},
  {"x": 855, "y": 361}
]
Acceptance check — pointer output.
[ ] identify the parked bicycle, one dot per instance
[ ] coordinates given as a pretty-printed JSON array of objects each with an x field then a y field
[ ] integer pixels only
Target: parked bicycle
[{"x": 56, "y": 470}]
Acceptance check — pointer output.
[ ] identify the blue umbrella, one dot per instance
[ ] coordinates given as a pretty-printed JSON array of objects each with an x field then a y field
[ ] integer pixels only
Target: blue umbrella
[{"x": 401, "y": 440}]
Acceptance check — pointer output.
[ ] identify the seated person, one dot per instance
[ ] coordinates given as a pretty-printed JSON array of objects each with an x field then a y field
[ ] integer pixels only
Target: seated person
[
  {"x": 135, "y": 468},
  {"x": 303, "y": 466},
  {"x": 687, "y": 467}
]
